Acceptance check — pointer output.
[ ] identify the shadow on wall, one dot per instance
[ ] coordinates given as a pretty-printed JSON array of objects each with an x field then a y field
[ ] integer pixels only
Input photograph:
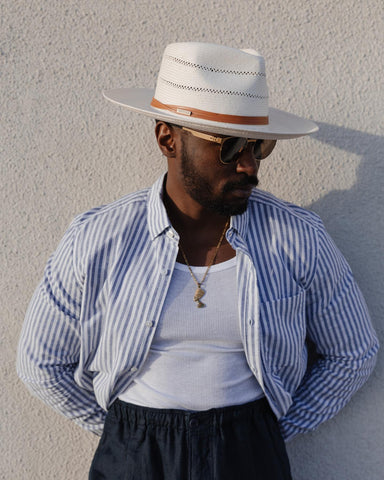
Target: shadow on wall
[
  {"x": 355, "y": 220},
  {"x": 355, "y": 217}
]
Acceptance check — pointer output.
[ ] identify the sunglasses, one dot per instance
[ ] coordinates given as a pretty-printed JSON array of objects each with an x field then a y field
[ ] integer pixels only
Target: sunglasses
[{"x": 231, "y": 147}]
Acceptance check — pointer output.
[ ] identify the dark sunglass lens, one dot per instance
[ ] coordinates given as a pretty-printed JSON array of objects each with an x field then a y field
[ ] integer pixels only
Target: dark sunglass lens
[
  {"x": 257, "y": 149},
  {"x": 263, "y": 148},
  {"x": 230, "y": 149}
]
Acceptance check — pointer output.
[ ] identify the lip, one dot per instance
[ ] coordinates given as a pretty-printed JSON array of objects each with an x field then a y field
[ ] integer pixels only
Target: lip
[{"x": 243, "y": 192}]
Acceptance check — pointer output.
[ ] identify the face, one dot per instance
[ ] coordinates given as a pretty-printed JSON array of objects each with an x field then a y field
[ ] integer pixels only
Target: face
[{"x": 221, "y": 189}]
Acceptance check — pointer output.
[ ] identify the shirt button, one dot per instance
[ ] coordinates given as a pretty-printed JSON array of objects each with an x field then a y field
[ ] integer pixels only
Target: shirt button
[
  {"x": 251, "y": 321},
  {"x": 165, "y": 272},
  {"x": 149, "y": 324},
  {"x": 170, "y": 234},
  {"x": 133, "y": 369}
]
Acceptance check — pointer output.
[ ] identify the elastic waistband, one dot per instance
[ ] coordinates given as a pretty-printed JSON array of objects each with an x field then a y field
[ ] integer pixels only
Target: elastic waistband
[{"x": 180, "y": 419}]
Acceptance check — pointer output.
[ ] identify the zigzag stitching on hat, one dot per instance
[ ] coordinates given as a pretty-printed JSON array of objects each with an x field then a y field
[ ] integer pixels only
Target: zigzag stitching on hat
[
  {"x": 211, "y": 90},
  {"x": 215, "y": 70}
]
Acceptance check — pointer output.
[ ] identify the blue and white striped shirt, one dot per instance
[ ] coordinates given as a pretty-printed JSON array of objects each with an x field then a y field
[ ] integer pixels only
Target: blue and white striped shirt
[{"x": 91, "y": 321}]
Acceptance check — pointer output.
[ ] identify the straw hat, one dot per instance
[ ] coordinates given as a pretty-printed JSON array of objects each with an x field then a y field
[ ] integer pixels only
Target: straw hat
[{"x": 216, "y": 89}]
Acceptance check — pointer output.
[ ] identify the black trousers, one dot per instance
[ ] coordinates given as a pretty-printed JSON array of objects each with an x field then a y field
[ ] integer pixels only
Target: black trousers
[{"x": 233, "y": 443}]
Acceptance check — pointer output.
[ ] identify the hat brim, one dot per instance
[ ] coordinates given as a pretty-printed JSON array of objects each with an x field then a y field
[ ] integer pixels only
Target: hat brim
[{"x": 281, "y": 124}]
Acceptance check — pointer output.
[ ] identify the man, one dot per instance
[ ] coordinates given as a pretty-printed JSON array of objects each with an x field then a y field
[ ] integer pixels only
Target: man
[{"x": 183, "y": 310}]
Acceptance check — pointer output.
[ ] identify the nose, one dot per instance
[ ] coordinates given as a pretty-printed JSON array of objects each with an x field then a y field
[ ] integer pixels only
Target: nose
[{"x": 246, "y": 162}]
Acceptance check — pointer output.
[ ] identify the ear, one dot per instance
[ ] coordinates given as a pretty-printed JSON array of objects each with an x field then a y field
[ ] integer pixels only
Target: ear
[{"x": 165, "y": 135}]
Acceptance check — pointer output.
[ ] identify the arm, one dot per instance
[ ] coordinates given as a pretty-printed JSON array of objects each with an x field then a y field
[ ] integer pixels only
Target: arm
[
  {"x": 338, "y": 323},
  {"x": 49, "y": 347}
]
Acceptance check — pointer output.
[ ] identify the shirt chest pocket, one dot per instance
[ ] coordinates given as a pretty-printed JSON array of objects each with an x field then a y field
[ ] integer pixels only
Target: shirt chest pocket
[{"x": 283, "y": 330}]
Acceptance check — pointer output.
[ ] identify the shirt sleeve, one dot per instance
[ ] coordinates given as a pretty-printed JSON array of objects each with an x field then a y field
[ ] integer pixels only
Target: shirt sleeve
[
  {"x": 339, "y": 325},
  {"x": 49, "y": 346}
]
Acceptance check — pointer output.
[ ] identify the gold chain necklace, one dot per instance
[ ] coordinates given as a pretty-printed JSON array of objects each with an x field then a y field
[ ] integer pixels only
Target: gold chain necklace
[{"x": 200, "y": 292}]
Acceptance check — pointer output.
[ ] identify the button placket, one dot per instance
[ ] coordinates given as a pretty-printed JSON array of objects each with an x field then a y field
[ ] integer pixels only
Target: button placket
[{"x": 251, "y": 319}]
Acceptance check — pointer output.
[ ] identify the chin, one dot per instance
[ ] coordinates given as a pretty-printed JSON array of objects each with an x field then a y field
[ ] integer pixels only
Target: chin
[{"x": 229, "y": 209}]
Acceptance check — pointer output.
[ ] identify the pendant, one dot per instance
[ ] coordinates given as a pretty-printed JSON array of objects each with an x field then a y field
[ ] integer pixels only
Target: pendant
[{"x": 199, "y": 294}]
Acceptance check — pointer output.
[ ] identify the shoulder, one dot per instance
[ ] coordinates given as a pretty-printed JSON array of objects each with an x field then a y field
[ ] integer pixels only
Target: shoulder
[
  {"x": 266, "y": 206},
  {"x": 108, "y": 225},
  {"x": 119, "y": 212},
  {"x": 284, "y": 232},
  {"x": 96, "y": 235}
]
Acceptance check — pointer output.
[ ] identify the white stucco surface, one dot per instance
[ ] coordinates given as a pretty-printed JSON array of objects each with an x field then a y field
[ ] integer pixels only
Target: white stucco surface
[{"x": 65, "y": 149}]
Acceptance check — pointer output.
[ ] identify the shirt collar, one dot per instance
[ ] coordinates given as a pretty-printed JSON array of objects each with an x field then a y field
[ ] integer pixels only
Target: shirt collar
[
  {"x": 158, "y": 220},
  {"x": 239, "y": 223}
]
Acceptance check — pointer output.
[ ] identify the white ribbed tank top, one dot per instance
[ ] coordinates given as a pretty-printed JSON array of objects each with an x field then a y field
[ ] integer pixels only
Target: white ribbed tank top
[{"x": 196, "y": 360}]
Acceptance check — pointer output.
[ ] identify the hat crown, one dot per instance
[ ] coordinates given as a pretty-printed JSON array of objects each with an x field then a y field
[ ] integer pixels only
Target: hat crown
[{"x": 213, "y": 78}]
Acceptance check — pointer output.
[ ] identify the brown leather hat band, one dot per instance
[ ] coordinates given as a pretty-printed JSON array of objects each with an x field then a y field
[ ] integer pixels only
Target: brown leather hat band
[{"x": 216, "y": 117}]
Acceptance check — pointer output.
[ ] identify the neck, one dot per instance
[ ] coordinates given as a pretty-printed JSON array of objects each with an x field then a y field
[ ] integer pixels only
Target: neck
[
  {"x": 192, "y": 217},
  {"x": 199, "y": 233}
]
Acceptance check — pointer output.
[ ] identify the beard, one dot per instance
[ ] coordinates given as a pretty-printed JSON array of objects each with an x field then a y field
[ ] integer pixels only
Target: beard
[{"x": 200, "y": 189}]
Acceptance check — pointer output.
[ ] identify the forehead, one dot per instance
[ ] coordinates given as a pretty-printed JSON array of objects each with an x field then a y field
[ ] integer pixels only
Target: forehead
[{"x": 205, "y": 132}]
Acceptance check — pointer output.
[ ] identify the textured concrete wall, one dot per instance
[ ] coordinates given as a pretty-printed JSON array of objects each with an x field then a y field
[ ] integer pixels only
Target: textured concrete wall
[{"x": 65, "y": 149}]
